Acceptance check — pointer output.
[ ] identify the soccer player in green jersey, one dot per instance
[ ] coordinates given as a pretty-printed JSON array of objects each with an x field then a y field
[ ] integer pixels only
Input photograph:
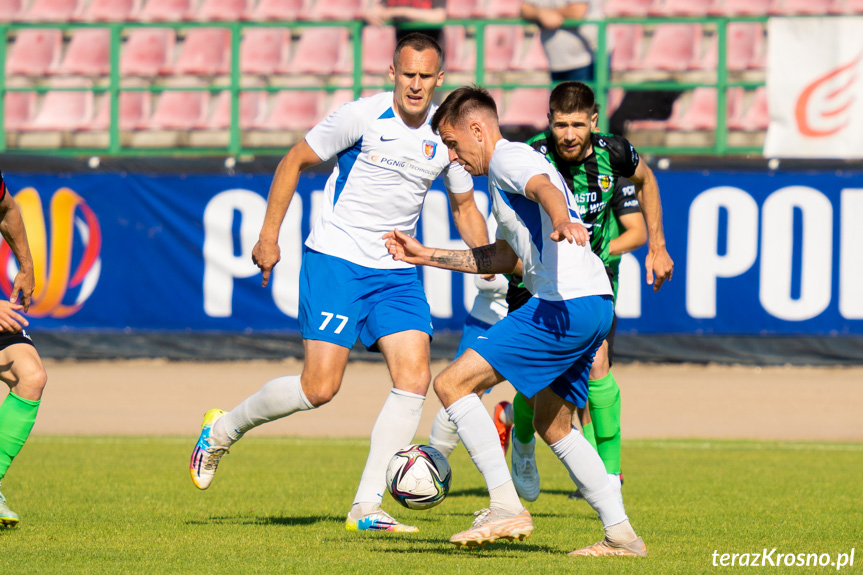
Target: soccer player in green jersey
[
  {"x": 596, "y": 168},
  {"x": 22, "y": 369}
]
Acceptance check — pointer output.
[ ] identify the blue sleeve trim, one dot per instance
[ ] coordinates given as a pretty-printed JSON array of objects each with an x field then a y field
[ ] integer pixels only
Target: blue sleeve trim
[
  {"x": 347, "y": 159},
  {"x": 528, "y": 212}
]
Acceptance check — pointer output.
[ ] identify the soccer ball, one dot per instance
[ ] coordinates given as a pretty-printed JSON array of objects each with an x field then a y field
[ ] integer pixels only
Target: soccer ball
[{"x": 418, "y": 477}]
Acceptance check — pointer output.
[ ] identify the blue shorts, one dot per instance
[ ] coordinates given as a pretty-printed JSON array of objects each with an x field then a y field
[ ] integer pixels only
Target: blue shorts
[
  {"x": 549, "y": 343},
  {"x": 472, "y": 329},
  {"x": 340, "y": 301}
]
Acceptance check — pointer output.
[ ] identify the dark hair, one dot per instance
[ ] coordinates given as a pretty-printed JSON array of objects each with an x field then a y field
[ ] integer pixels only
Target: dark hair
[
  {"x": 460, "y": 103},
  {"x": 571, "y": 97},
  {"x": 419, "y": 42}
]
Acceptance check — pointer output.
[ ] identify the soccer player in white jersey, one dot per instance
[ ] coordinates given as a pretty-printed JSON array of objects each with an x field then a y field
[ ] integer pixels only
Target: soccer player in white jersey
[
  {"x": 489, "y": 307},
  {"x": 546, "y": 347},
  {"x": 350, "y": 287}
]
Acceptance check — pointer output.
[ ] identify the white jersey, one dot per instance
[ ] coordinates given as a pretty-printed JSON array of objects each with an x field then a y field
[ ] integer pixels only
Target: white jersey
[
  {"x": 384, "y": 170},
  {"x": 552, "y": 270}
]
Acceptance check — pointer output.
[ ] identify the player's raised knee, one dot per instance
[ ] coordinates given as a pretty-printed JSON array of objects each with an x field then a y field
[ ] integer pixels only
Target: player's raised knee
[
  {"x": 320, "y": 390},
  {"x": 31, "y": 377},
  {"x": 444, "y": 388},
  {"x": 416, "y": 380}
]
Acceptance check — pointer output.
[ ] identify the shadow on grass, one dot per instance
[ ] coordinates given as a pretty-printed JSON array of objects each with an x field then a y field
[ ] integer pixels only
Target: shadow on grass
[
  {"x": 246, "y": 520},
  {"x": 444, "y": 548},
  {"x": 482, "y": 492}
]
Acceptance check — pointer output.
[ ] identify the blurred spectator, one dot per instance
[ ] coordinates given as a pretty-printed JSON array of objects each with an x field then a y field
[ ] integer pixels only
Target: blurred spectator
[
  {"x": 432, "y": 11},
  {"x": 570, "y": 51}
]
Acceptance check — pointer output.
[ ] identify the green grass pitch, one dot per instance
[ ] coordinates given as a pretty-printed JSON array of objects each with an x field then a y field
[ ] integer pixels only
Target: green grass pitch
[{"x": 127, "y": 505}]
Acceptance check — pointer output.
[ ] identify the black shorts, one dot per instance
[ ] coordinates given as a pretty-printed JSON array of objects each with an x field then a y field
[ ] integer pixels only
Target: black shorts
[
  {"x": 9, "y": 338},
  {"x": 517, "y": 295}
]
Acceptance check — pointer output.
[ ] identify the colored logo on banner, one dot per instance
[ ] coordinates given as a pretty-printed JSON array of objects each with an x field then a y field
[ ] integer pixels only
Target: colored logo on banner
[
  {"x": 825, "y": 104},
  {"x": 66, "y": 265}
]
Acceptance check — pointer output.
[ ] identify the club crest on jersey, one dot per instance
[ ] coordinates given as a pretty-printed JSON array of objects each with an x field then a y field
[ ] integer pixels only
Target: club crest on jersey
[
  {"x": 429, "y": 148},
  {"x": 604, "y": 182}
]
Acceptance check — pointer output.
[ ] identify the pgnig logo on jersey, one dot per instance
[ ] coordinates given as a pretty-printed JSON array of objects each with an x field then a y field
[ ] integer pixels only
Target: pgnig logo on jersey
[{"x": 66, "y": 264}]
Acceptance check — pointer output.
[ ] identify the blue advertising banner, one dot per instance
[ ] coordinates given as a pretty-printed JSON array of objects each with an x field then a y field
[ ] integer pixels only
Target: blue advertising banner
[{"x": 755, "y": 253}]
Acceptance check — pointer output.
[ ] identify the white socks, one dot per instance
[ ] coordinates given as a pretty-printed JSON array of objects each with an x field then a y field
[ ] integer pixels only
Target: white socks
[
  {"x": 444, "y": 433},
  {"x": 588, "y": 471},
  {"x": 394, "y": 429},
  {"x": 278, "y": 398},
  {"x": 621, "y": 533},
  {"x": 477, "y": 432}
]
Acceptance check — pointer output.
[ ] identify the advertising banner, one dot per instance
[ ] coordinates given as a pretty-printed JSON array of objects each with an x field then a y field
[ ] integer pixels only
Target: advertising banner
[
  {"x": 755, "y": 253},
  {"x": 815, "y": 88}
]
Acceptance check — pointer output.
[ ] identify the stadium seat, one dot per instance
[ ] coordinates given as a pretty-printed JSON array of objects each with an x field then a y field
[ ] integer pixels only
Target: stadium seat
[
  {"x": 800, "y": 7},
  {"x": 112, "y": 10},
  {"x": 252, "y": 106},
  {"x": 627, "y": 8},
  {"x": 670, "y": 8},
  {"x": 627, "y": 40},
  {"x": 167, "y": 10},
  {"x": 847, "y": 7},
  {"x": 63, "y": 110},
  {"x": 19, "y": 108},
  {"x": 287, "y": 10},
  {"x": 147, "y": 52},
  {"x": 739, "y": 8},
  {"x": 224, "y": 10},
  {"x": 460, "y": 9},
  {"x": 527, "y": 107},
  {"x": 54, "y": 10},
  {"x": 458, "y": 56},
  {"x": 612, "y": 103},
  {"x": 180, "y": 110},
  {"x": 35, "y": 52},
  {"x": 135, "y": 110},
  {"x": 757, "y": 117},
  {"x": 11, "y": 10},
  {"x": 263, "y": 51},
  {"x": 497, "y": 95},
  {"x": 88, "y": 54},
  {"x": 294, "y": 110},
  {"x": 338, "y": 98},
  {"x": 335, "y": 10},
  {"x": 379, "y": 43},
  {"x": 744, "y": 43},
  {"x": 533, "y": 59},
  {"x": 501, "y": 46},
  {"x": 701, "y": 112},
  {"x": 205, "y": 52},
  {"x": 319, "y": 51},
  {"x": 672, "y": 48},
  {"x": 497, "y": 9}
]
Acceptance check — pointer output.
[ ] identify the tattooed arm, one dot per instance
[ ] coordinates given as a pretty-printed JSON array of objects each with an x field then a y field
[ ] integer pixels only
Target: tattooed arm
[{"x": 493, "y": 258}]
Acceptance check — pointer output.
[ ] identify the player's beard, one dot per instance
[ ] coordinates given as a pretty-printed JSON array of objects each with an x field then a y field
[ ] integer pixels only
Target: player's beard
[{"x": 570, "y": 154}]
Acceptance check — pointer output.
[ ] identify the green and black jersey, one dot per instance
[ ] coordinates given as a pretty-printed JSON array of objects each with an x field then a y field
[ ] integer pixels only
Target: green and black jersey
[
  {"x": 593, "y": 183},
  {"x": 601, "y": 191}
]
